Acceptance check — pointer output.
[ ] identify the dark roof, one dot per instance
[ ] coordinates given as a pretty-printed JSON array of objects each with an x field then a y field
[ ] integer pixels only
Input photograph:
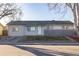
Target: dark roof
[{"x": 31, "y": 23}]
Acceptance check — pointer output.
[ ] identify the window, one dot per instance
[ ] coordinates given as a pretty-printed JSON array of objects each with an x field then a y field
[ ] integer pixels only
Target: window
[
  {"x": 31, "y": 28},
  {"x": 15, "y": 29},
  {"x": 65, "y": 27}
]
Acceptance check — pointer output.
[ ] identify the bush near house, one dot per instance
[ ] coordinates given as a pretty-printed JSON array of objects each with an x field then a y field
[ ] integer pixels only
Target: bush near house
[
  {"x": 43, "y": 38},
  {"x": 5, "y": 33},
  {"x": 75, "y": 37}
]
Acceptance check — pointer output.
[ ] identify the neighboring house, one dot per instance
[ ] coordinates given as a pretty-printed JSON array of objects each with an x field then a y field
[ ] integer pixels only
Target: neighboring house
[
  {"x": 1, "y": 29},
  {"x": 53, "y": 28}
]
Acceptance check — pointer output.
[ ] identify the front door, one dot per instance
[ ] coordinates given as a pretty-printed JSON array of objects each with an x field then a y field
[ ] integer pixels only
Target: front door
[{"x": 39, "y": 31}]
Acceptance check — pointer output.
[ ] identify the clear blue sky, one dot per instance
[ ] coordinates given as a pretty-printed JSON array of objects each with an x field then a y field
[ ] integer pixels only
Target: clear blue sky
[{"x": 40, "y": 11}]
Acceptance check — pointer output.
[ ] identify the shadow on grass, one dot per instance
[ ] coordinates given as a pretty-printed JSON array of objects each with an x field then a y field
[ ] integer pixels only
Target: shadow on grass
[{"x": 44, "y": 52}]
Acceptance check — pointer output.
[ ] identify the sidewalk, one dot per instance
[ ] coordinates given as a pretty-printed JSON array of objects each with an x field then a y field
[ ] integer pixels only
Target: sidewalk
[{"x": 44, "y": 43}]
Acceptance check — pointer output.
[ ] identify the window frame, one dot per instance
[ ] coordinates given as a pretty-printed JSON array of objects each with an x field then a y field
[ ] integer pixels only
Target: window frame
[
  {"x": 31, "y": 28},
  {"x": 15, "y": 29}
]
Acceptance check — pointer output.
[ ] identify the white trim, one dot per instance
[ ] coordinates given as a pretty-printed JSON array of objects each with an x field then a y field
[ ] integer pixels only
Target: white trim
[{"x": 39, "y": 31}]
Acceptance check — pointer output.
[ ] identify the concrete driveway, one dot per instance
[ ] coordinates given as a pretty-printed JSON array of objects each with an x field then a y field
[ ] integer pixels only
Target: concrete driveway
[{"x": 38, "y": 50}]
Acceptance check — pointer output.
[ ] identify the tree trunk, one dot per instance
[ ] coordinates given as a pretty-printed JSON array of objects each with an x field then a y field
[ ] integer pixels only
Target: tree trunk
[
  {"x": 76, "y": 17},
  {"x": 75, "y": 14},
  {"x": 75, "y": 11}
]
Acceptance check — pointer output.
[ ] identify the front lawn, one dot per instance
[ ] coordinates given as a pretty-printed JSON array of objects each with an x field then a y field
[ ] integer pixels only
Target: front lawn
[{"x": 43, "y": 38}]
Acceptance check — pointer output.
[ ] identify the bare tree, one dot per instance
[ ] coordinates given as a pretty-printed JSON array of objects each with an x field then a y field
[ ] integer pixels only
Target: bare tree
[
  {"x": 75, "y": 10},
  {"x": 10, "y": 10}
]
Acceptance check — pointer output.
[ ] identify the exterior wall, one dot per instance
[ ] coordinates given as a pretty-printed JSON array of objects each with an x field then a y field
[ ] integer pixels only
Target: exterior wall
[
  {"x": 71, "y": 27},
  {"x": 41, "y": 30},
  {"x": 59, "y": 27},
  {"x": 31, "y": 32},
  {"x": 59, "y": 32},
  {"x": 1, "y": 30},
  {"x": 12, "y": 33},
  {"x": 55, "y": 27},
  {"x": 23, "y": 31},
  {"x": 38, "y": 31}
]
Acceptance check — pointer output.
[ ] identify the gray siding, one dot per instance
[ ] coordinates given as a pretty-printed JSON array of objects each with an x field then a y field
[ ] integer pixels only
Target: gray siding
[
  {"x": 23, "y": 31},
  {"x": 49, "y": 30},
  {"x": 59, "y": 32},
  {"x": 59, "y": 27},
  {"x": 38, "y": 31},
  {"x": 12, "y": 33},
  {"x": 30, "y": 32}
]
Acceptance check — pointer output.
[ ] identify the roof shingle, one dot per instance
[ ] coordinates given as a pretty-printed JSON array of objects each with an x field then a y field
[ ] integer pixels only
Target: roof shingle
[{"x": 31, "y": 23}]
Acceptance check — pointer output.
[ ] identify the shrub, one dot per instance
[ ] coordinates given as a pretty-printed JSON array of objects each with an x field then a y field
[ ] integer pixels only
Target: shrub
[
  {"x": 5, "y": 33},
  {"x": 75, "y": 38},
  {"x": 42, "y": 38}
]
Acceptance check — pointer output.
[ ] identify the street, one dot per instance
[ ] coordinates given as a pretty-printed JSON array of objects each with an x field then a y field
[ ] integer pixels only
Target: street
[{"x": 38, "y": 50}]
